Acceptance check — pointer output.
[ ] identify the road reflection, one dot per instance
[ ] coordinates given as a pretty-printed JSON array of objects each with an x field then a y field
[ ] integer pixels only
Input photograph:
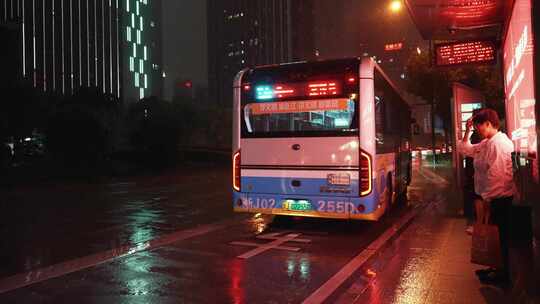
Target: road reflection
[{"x": 237, "y": 283}]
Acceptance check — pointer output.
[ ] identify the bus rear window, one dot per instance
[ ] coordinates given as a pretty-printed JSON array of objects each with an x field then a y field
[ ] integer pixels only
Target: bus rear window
[{"x": 313, "y": 117}]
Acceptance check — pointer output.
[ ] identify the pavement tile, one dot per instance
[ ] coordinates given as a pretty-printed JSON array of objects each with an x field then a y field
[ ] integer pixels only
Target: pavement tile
[
  {"x": 451, "y": 297},
  {"x": 452, "y": 283}
]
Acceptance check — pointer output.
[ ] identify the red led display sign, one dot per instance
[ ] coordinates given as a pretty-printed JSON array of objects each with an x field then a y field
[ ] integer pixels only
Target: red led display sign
[
  {"x": 323, "y": 89},
  {"x": 393, "y": 46},
  {"x": 302, "y": 89},
  {"x": 472, "y": 52}
]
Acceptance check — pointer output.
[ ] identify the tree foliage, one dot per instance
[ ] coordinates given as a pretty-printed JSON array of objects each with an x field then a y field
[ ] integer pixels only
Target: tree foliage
[
  {"x": 431, "y": 82},
  {"x": 82, "y": 128},
  {"x": 154, "y": 128}
]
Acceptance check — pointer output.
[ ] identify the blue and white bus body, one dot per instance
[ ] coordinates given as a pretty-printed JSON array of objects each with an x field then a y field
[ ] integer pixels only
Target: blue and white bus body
[{"x": 341, "y": 177}]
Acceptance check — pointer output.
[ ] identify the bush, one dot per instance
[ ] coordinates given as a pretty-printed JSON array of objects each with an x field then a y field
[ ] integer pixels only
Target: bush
[
  {"x": 82, "y": 129},
  {"x": 155, "y": 129}
]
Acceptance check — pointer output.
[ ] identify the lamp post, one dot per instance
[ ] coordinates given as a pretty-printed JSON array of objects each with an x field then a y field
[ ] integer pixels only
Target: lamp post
[{"x": 395, "y": 6}]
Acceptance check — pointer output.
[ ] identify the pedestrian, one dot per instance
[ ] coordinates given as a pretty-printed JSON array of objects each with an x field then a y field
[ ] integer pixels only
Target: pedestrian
[
  {"x": 493, "y": 182},
  {"x": 474, "y": 206}
]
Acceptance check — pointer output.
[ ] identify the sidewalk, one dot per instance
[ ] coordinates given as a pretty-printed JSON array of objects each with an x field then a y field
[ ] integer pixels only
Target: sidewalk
[{"x": 430, "y": 263}]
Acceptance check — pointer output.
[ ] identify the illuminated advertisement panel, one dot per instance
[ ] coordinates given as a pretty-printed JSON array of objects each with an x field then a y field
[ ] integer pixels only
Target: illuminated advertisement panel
[
  {"x": 519, "y": 81},
  {"x": 466, "y": 100},
  {"x": 470, "y": 52}
]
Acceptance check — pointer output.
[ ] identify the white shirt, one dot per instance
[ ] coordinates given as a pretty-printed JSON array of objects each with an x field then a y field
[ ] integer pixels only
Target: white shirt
[{"x": 493, "y": 174}]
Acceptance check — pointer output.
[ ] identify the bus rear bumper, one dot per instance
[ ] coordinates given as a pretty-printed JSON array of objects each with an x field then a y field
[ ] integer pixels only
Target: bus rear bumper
[{"x": 372, "y": 216}]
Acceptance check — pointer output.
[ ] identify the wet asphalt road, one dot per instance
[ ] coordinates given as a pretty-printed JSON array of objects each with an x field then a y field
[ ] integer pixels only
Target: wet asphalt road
[
  {"x": 51, "y": 223},
  {"x": 205, "y": 268}
]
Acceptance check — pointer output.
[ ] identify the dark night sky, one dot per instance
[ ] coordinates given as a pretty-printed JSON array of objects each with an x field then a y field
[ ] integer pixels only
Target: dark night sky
[
  {"x": 184, "y": 42},
  {"x": 345, "y": 28}
]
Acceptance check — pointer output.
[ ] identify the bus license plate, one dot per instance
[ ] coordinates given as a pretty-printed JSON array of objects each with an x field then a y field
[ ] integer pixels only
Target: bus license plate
[{"x": 297, "y": 205}]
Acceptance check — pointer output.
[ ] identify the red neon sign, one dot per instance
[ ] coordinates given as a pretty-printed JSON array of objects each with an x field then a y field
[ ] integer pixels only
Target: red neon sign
[{"x": 465, "y": 53}]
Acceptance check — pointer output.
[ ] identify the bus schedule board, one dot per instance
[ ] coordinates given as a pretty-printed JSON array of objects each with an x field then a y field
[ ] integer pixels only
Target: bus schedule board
[{"x": 470, "y": 52}]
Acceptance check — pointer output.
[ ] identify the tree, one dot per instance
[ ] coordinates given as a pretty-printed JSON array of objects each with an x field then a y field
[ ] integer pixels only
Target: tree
[
  {"x": 155, "y": 128},
  {"x": 431, "y": 82},
  {"x": 82, "y": 128}
]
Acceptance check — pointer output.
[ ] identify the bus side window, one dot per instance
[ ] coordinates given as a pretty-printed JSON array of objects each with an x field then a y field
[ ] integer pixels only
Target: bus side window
[
  {"x": 379, "y": 123},
  {"x": 387, "y": 103}
]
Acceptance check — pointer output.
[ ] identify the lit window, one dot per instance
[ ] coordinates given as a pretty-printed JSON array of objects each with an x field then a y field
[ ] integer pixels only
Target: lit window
[
  {"x": 136, "y": 79},
  {"x": 142, "y": 23},
  {"x": 142, "y": 93},
  {"x": 131, "y": 64},
  {"x": 127, "y": 5},
  {"x": 145, "y": 53},
  {"x": 128, "y": 34},
  {"x": 134, "y": 50},
  {"x": 145, "y": 81},
  {"x": 141, "y": 66},
  {"x": 133, "y": 20},
  {"x": 138, "y": 9},
  {"x": 138, "y": 37}
]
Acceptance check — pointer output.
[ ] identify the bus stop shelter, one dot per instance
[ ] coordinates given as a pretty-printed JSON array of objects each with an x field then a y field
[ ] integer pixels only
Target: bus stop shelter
[{"x": 467, "y": 32}]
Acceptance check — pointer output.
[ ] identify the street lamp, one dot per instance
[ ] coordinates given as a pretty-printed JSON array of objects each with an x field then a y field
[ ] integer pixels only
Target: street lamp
[{"x": 396, "y": 6}]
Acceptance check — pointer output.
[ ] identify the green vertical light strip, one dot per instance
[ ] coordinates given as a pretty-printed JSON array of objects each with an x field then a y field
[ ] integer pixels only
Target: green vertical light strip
[{"x": 137, "y": 10}]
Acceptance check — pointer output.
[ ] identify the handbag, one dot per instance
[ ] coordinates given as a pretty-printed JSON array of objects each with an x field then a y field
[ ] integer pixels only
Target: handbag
[{"x": 486, "y": 248}]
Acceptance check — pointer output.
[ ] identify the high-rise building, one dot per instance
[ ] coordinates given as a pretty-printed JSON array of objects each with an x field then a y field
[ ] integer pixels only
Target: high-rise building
[
  {"x": 143, "y": 72},
  {"x": 68, "y": 44},
  {"x": 388, "y": 37},
  {"x": 244, "y": 33}
]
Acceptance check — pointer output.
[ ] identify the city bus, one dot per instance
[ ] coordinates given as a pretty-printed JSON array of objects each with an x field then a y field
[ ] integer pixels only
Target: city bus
[{"x": 327, "y": 139}]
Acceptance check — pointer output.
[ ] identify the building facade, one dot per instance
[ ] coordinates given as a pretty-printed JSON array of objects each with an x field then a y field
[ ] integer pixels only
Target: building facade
[
  {"x": 244, "y": 33},
  {"x": 143, "y": 72},
  {"x": 69, "y": 44}
]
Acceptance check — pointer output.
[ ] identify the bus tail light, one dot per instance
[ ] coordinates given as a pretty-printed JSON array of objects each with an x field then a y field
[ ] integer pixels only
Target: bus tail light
[
  {"x": 365, "y": 174},
  {"x": 236, "y": 171}
]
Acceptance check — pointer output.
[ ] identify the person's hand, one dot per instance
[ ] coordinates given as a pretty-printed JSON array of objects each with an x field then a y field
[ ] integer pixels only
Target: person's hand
[{"x": 469, "y": 123}]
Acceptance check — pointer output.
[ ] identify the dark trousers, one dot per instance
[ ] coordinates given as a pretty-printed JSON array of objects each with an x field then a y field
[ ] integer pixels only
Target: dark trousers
[{"x": 500, "y": 216}]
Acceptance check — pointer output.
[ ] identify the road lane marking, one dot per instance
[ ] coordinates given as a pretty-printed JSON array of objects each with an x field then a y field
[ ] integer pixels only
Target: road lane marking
[
  {"x": 287, "y": 248},
  {"x": 275, "y": 236},
  {"x": 276, "y": 243},
  {"x": 42, "y": 274},
  {"x": 326, "y": 290}
]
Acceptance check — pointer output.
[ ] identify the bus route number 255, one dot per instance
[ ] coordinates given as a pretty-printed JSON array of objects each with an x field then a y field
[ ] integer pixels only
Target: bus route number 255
[{"x": 335, "y": 207}]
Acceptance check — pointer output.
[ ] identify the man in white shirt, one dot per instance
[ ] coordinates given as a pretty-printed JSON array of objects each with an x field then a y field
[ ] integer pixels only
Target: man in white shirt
[{"x": 493, "y": 180}]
